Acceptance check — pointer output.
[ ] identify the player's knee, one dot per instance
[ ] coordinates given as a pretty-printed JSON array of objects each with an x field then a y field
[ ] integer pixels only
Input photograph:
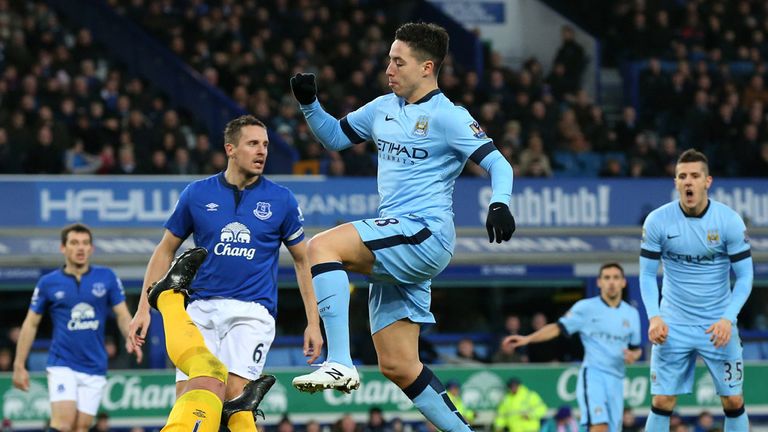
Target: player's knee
[
  {"x": 732, "y": 403},
  {"x": 664, "y": 402},
  {"x": 319, "y": 250},
  {"x": 602, "y": 427}
]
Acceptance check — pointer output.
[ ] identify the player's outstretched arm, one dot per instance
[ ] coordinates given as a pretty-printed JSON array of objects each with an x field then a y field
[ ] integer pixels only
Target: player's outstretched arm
[
  {"x": 326, "y": 128},
  {"x": 158, "y": 265},
  {"x": 548, "y": 332},
  {"x": 313, "y": 338},
  {"x": 23, "y": 346},
  {"x": 500, "y": 223}
]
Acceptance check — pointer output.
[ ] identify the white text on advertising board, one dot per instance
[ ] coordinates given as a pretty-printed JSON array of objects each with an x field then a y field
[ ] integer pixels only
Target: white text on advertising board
[
  {"x": 553, "y": 206},
  {"x": 139, "y": 205}
]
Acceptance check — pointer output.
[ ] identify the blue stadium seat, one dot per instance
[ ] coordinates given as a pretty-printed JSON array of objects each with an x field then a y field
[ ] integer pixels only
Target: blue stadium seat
[
  {"x": 589, "y": 164},
  {"x": 565, "y": 164}
]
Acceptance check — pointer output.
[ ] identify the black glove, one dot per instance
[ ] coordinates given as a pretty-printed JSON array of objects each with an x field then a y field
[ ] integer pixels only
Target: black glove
[
  {"x": 304, "y": 88},
  {"x": 500, "y": 222}
]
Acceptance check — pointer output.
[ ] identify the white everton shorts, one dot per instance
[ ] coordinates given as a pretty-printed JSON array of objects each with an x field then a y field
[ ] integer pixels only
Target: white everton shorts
[
  {"x": 238, "y": 333},
  {"x": 64, "y": 384}
]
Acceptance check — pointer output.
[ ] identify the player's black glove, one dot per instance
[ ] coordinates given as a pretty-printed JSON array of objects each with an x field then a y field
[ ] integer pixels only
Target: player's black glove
[
  {"x": 500, "y": 223},
  {"x": 304, "y": 88}
]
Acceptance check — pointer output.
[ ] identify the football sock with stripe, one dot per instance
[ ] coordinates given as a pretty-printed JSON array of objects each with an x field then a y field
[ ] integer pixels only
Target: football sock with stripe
[{"x": 332, "y": 291}]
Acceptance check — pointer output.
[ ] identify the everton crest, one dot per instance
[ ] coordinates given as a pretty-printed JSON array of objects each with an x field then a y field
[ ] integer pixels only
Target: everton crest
[{"x": 263, "y": 210}]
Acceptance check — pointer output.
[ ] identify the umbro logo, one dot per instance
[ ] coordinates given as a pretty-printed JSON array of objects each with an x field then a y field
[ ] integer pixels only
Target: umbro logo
[
  {"x": 212, "y": 206},
  {"x": 388, "y": 118},
  {"x": 669, "y": 236}
]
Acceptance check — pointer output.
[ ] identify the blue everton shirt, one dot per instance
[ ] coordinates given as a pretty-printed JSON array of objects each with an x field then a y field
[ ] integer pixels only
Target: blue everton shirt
[
  {"x": 422, "y": 148},
  {"x": 242, "y": 231},
  {"x": 79, "y": 312},
  {"x": 697, "y": 253},
  {"x": 605, "y": 332}
]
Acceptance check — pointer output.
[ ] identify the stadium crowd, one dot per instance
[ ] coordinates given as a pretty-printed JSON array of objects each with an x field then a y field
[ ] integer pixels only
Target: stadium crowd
[{"x": 67, "y": 108}]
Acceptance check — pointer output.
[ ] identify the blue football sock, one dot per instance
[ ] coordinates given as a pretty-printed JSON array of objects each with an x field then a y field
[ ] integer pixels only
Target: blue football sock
[
  {"x": 736, "y": 420},
  {"x": 658, "y": 420},
  {"x": 332, "y": 290},
  {"x": 430, "y": 397}
]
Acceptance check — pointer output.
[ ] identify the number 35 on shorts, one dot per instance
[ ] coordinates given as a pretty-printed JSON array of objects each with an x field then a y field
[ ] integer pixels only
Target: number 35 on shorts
[{"x": 733, "y": 371}]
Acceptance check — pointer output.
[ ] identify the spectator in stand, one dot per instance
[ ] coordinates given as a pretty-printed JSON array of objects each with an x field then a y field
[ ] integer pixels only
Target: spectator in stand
[
  {"x": 545, "y": 351},
  {"x": 571, "y": 55},
  {"x": 705, "y": 422},
  {"x": 629, "y": 422},
  {"x": 563, "y": 421},
  {"x": 533, "y": 161},
  {"x": 376, "y": 422}
]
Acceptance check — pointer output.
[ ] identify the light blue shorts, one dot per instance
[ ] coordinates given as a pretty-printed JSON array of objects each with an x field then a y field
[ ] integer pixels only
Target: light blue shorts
[
  {"x": 601, "y": 398},
  {"x": 673, "y": 363},
  {"x": 407, "y": 256}
]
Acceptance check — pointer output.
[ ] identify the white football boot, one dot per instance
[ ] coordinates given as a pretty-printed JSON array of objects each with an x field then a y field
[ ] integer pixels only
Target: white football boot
[{"x": 329, "y": 376}]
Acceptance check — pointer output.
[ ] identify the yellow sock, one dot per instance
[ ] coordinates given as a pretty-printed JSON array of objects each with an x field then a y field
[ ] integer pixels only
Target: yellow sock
[
  {"x": 196, "y": 410},
  {"x": 184, "y": 342},
  {"x": 242, "y": 421}
]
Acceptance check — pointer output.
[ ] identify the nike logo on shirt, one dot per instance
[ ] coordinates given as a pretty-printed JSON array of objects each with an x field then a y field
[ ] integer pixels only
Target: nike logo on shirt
[{"x": 388, "y": 118}]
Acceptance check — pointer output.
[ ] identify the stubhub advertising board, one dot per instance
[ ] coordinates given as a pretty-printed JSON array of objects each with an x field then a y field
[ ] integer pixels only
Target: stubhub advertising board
[{"x": 146, "y": 202}]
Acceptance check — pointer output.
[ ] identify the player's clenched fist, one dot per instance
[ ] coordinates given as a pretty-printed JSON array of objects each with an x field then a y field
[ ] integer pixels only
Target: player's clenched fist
[
  {"x": 500, "y": 223},
  {"x": 658, "y": 330},
  {"x": 304, "y": 88}
]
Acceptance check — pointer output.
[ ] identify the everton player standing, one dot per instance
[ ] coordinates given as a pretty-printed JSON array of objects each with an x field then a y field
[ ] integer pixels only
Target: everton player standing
[
  {"x": 242, "y": 218},
  {"x": 78, "y": 296}
]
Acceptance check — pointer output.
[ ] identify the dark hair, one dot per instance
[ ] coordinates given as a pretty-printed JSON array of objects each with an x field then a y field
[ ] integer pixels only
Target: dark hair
[
  {"x": 232, "y": 130},
  {"x": 427, "y": 41},
  {"x": 611, "y": 265},
  {"x": 693, "y": 155},
  {"x": 76, "y": 227}
]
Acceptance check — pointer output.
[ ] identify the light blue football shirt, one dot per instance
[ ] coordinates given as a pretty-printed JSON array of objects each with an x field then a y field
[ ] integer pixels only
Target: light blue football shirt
[
  {"x": 422, "y": 148},
  {"x": 605, "y": 332},
  {"x": 697, "y": 253}
]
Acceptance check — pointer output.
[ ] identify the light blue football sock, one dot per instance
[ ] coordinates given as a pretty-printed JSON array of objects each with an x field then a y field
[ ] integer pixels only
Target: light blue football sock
[
  {"x": 658, "y": 420},
  {"x": 736, "y": 420},
  {"x": 332, "y": 290},
  {"x": 430, "y": 397}
]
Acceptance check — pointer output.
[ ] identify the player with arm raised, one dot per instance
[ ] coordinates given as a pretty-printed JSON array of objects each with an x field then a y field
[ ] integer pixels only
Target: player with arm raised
[
  {"x": 699, "y": 241},
  {"x": 609, "y": 328},
  {"x": 423, "y": 142}
]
